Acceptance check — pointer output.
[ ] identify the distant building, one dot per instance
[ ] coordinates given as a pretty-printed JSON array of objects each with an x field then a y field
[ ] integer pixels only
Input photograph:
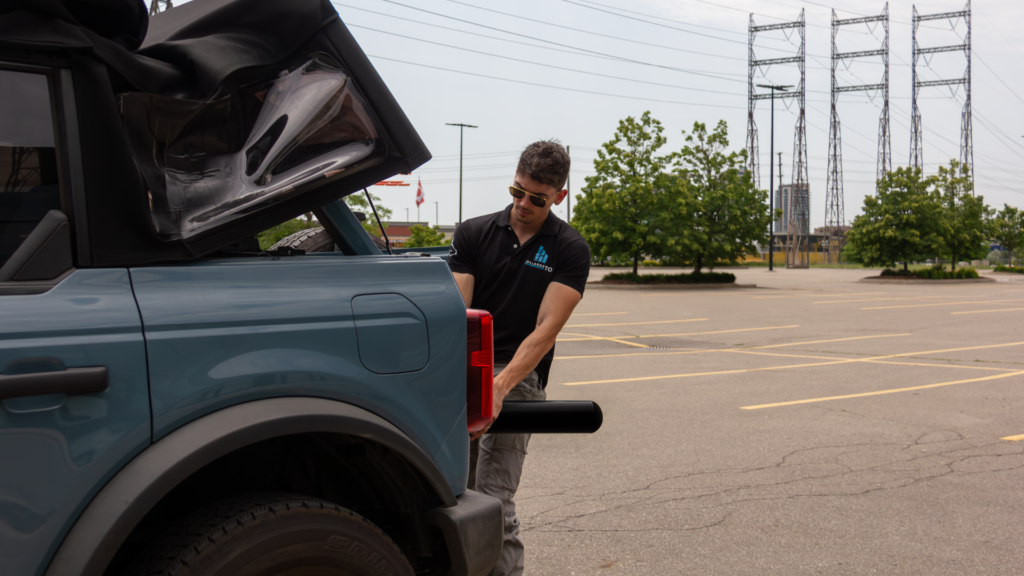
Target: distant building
[
  {"x": 399, "y": 232},
  {"x": 782, "y": 203},
  {"x": 832, "y": 230}
]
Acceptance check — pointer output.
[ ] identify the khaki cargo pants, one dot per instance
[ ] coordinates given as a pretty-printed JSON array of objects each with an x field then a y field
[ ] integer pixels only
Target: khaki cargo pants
[{"x": 495, "y": 467}]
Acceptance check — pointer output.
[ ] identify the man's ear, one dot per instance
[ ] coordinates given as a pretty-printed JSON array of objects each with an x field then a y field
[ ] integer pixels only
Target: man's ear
[{"x": 560, "y": 196}]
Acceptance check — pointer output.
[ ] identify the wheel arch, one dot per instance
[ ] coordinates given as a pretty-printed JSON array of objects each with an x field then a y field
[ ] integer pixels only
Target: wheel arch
[{"x": 127, "y": 498}]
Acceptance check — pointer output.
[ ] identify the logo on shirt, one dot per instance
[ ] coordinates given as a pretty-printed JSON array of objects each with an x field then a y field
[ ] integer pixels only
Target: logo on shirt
[
  {"x": 539, "y": 259},
  {"x": 452, "y": 251}
]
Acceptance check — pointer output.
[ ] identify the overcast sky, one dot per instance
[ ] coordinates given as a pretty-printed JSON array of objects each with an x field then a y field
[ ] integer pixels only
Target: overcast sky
[{"x": 571, "y": 69}]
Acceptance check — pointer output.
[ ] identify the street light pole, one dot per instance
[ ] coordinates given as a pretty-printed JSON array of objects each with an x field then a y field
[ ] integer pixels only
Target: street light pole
[
  {"x": 461, "y": 126},
  {"x": 771, "y": 177},
  {"x": 437, "y": 222}
]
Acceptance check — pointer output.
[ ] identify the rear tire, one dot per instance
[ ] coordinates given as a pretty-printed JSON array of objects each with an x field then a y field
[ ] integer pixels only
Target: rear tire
[
  {"x": 313, "y": 240},
  {"x": 273, "y": 535}
]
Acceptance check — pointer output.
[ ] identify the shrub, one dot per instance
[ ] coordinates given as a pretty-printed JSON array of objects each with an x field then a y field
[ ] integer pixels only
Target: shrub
[
  {"x": 933, "y": 273},
  {"x": 694, "y": 278},
  {"x": 1014, "y": 269}
]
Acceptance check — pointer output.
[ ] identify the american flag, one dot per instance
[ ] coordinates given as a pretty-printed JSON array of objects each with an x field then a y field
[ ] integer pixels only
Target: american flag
[{"x": 419, "y": 193}]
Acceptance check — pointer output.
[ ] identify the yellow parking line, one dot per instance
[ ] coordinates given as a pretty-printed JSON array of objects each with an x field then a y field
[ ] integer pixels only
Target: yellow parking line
[
  {"x": 875, "y": 300},
  {"x": 835, "y": 340},
  {"x": 842, "y": 361},
  {"x": 941, "y": 304},
  {"x": 869, "y": 361},
  {"x": 587, "y": 337},
  {"x": 637, "y": 323},
  {"x": 881, "y": 392},
  {"x": 599, "y": 314},
  {"x": 631, "y": 336},
  {"x": 984, "y": 311},
  {"x": 1016, "y": 438},
  {"x": 694, "y": 350},
  {"x": 821, "y": 295}
]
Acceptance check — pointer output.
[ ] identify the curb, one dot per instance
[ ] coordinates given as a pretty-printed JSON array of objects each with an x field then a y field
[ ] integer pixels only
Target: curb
[{"x": 592, "y": 286}]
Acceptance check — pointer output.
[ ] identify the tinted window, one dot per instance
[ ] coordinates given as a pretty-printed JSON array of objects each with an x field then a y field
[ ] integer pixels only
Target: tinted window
[{"x": 28, "y": 158}]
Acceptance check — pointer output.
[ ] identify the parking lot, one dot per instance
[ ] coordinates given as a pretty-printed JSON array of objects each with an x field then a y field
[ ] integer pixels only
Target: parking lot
[{"x": 811, "y": 425}]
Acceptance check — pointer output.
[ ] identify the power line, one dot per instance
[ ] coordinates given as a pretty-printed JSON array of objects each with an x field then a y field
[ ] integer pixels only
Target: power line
[
  {"x": 518, "y": 42},
  {"x": 985, "y": 64},
  {"x": 559, "y": 26},
  {"x": 522, "y": 82},
  {"x": 542, "y": 64},
  {"x": 654, "y": 23},
  {"x": 666, "y": 19},
  {"x": 697, "y": 73}
]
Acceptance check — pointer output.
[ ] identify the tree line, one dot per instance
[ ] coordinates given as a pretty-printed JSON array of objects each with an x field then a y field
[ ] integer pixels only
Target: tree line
[
  {"x": 696, "y": 206},
  {"x": 913, "y": 217}
]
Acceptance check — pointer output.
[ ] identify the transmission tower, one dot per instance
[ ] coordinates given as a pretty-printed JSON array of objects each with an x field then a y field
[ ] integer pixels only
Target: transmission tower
[
  {"x": 157, "y": 6},
  {"x": 797, "y": 210},
  {"x": 751, "y": 98},
  {"x": 966, "y": 136},
  {"x": 834, "y": 205}
]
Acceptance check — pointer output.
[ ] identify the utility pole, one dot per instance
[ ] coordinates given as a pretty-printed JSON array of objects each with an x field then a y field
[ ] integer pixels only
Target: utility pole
[
  {"x": 406, "y": 214},
  {"x": 437, "y": 221},
  {"x": 771, "y": 177},
  {"x": 780, "y": 192},
  {"x": 461, "y": 127}
]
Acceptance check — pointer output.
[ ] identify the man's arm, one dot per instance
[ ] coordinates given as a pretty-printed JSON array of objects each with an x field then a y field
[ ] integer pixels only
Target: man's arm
[
  {"x": 557, "y": 305},
  {"x": 465, "y": 282}
]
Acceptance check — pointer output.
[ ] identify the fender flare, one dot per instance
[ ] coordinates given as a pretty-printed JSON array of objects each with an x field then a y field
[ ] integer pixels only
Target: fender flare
[{"x": 114, "y": 512}]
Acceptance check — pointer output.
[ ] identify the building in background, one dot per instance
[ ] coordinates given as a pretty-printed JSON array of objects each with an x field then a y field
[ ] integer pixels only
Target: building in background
[
  {"x": 782, "y": 203},
  {"x": 399, "y": 232}
]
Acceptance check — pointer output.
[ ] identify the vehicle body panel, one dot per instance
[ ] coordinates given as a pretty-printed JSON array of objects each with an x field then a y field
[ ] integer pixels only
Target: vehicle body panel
[
  {"x": 57, "y": 451},
  {"x": 224, "y": 332}
]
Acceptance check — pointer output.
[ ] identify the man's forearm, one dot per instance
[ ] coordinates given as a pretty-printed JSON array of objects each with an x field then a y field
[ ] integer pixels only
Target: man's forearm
[{"x": 525, "y": 360}]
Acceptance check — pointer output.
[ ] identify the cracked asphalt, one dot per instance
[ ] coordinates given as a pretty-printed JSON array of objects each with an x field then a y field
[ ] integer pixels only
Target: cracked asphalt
[{"x": 814, "y": 425}]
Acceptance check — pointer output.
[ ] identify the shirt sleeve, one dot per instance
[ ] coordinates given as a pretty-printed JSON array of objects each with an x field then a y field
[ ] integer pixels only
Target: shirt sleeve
[
  {"x": 574, "y": 265},
  {"x": 462, "y": 252}
]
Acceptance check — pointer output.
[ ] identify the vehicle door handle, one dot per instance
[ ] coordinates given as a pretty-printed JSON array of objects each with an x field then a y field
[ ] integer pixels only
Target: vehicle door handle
[{"x": 69, "y": 381}]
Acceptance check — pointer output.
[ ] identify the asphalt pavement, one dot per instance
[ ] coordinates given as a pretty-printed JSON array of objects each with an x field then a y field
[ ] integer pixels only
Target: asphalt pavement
[{"x": 813, "y": 425}]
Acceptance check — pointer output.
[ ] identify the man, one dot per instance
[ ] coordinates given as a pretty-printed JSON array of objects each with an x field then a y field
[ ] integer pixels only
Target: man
[{"x": 527, "y": 268}]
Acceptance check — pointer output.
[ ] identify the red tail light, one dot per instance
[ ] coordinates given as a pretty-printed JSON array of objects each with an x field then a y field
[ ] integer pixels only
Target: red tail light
[{"x": 479, "y": 369}]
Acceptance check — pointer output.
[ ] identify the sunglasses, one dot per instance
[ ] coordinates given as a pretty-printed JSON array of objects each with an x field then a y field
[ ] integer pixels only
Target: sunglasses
[{"x": 535, "y": 199}]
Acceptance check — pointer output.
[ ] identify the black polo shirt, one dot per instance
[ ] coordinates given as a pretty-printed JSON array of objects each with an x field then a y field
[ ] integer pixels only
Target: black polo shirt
[{"x": 510, "y": 280}]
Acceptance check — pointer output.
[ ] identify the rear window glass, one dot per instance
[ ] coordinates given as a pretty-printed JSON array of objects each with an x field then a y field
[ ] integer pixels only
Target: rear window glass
[
  {"x": 207, "y": 164},
  {"x": 28, "y": 157}
]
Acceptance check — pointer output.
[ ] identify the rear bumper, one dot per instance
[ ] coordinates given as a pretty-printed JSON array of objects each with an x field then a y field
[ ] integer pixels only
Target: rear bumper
[{"x": 473, "y": 531}]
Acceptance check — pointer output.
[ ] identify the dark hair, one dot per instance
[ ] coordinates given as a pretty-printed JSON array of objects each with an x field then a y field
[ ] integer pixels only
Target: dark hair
[{"x": 546, "y": 162}]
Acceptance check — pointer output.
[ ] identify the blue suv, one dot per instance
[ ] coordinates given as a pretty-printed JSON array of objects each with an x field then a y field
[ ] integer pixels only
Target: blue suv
[{"x": 174, "y": 399}]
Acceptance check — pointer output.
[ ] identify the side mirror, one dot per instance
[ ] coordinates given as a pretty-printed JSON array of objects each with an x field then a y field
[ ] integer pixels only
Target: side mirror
[{"x": 45, "y": 254}]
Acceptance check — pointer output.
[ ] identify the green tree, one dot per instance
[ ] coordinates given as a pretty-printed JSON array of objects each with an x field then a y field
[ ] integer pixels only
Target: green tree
[
  {"x": 900, "y": 223},
  {"x": 624, "y": 206},
  {"x": 423, "y": 236},
  {"x": 1008, "y": 229},
  {"x": 964, "y": 224},
  {"x": 720, "y": 215},
  {"x": 357, "y": 202}
]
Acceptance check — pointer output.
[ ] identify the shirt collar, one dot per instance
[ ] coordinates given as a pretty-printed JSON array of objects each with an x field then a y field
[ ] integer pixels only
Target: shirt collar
[{"x": 550, "y": 227}]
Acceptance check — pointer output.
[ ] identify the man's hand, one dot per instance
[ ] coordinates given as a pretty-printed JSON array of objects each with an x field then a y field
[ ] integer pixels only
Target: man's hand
[
  {"x": 556, "y": 307},
  {"x": 496, "y": 404}
]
